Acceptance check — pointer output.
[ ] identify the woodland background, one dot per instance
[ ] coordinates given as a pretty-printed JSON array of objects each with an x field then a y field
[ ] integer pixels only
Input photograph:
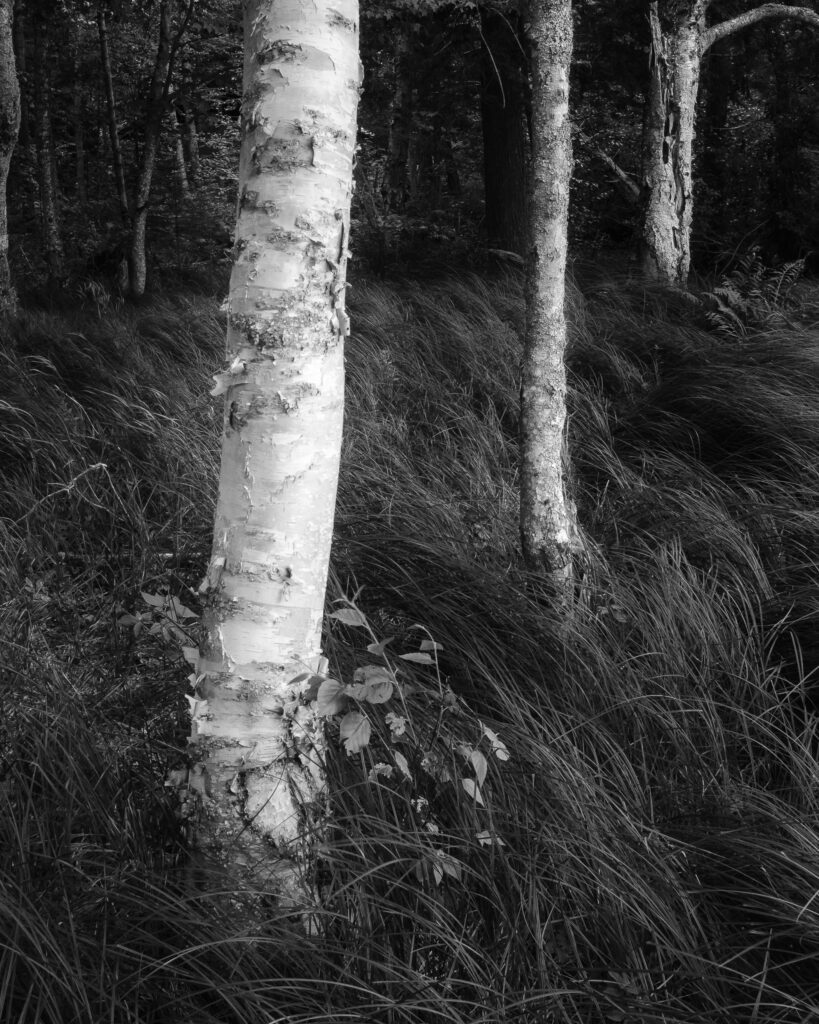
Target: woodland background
[{"x": 648, "y": 845}]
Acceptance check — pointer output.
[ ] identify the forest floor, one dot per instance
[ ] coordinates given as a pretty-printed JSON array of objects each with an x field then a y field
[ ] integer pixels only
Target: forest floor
[{"x": 646, "y": 843}]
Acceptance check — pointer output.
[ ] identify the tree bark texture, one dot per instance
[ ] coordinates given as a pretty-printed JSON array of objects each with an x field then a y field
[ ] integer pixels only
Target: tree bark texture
[
  {"x": 256, "y": 739},
  {"x": 9, "y": 126},
  {"x": 22, "y": 75},
  {"x": 111, "y": 111},
  {"x": 503, "y": 122},
  {"x": 547, "y": 525},
  {"x": 178, "y": 151},
  {"x": 679, "y": 38},
  {"x": 668, "y": 138},
  {"x": 49, "y": 216}
]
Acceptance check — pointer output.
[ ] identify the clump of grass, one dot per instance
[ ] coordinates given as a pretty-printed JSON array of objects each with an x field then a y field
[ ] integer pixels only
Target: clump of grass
[{"x": 648, "y": 850}]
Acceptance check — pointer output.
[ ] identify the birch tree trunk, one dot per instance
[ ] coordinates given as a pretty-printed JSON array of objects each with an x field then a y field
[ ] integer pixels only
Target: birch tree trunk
[
  {"x": 679, "y": 38},
  {"x": 256, "y": 740},
  {"x": 548, "y": 530},
  {"x": 9, "y": 126},
  {"x": 668, "y": 138}
]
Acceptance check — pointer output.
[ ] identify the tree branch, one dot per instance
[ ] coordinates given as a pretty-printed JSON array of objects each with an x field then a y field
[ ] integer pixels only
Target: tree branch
[
  {"x": 727, "y": 28},
  {"x": 626, "y": 179}
]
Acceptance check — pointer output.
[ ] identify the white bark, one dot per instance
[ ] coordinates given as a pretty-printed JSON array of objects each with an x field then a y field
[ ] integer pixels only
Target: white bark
[
  {"x": 257, "y": 741},
  {"x": 548, "y": 530}
]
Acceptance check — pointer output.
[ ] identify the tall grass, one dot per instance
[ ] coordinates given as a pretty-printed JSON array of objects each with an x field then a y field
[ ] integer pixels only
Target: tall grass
[{"x": 649, "y": 850}]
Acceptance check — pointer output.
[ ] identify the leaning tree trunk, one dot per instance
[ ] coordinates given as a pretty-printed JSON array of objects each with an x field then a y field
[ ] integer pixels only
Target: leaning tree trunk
[
  {"x": 548, "y": 529},
  {"x": 49, "y": 217},
  {"x": 9, "y": 126},
  {"x": 256, "y": 739},
  {"x": 668, "y": 136}
]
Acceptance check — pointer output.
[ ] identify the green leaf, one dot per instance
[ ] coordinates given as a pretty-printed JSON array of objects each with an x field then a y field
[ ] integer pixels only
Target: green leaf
[
  {"x": 378, "y": 649},
  {"x": 418, "y": 657},
  {"x": 489, "y": 839},
  {"x": 479, "y": 764},
  {"x": 154, "y": 600},
  {"x": 181, "y": 611},
  {"x": 402, "y": 763},
  {"x": 431, "y": 645},
  {"x": 349, "y": 616},
  {"x": 355, "y": 730},
  {"x": 378, "y": 684},
  {"x": 330, "y": 699},
  {"x": 474, "y": 790},
  {"x": 127, "y": 620},
  {"x": 499, "y": 748}
]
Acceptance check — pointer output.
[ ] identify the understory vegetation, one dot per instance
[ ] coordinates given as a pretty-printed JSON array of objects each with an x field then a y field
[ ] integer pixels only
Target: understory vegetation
[{"x": 611, "y": 820}]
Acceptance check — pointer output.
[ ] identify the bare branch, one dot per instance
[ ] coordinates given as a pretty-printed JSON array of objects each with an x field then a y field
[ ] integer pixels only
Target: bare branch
[
  {"x": 626, "y": 179},
  {"x": 727, "y": 28}
]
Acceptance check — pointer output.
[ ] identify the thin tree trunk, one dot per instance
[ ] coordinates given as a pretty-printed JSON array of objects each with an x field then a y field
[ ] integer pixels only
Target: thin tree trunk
[
  {"x": 547, "y": 517},
  {"x": 257, "y": 741},
  {"x": 178, "y": 152},
  {"x": 160, "y": 81},
  {"x": 503, "y": 122},
  {"x": 79, "y": 117},
  {"x": 49, "y": 217},
  {"x": 111, "y": 110},
  {"x": 398, "y": 143},
  {"x": 9, "y": 126},
  {"x": 191, "y": 137}
]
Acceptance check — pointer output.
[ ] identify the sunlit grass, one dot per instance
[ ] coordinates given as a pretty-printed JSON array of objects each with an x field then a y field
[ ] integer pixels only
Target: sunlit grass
[{"x": 648, "y": 852}]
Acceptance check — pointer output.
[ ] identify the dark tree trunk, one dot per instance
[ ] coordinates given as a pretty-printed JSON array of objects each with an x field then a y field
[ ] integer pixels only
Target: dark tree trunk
[
  {"x": 24, "y": 134},
  {"x": 79, "y": 117},
  {"x": 191, "y": 138},
  {"x": 111, "y": 110},
  {"x": 9, "y": 126},
  {"x": 396, "y": 188},
  {"x": 49, "y": 217},
  {"x": 503, "y": 120}
]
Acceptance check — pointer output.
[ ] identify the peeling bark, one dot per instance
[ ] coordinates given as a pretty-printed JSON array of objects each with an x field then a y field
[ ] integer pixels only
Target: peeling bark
[
  {"x": 257, "y": 742},
  {"x": 9, "y": 126},
  {"x": 679, "y": 38},
  {"x": 547, "y": 519}
]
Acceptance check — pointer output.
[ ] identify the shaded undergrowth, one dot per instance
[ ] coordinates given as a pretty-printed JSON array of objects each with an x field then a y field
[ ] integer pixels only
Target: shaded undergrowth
[{"x": 649, "y": 849}]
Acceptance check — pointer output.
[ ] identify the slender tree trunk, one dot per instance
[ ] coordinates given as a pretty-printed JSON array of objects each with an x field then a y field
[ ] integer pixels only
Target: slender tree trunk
[
  {"x": 49, "y": 217},
  {"x": 79, "y": 116},
  {"x": 178, "y": 151},
  {"x": 668, "y": 137},
  {"x": 191, "y": 137},
  {"x": 257, "y": 742},
  {"x": 9, "y": 126},
  {"x": 160, "y": 81},
  {"x": 503, "y": 121},
  {"x": 398, "y": 144},
  {"x": 111, "y": 110},
  {"x": 547, "y": 518}
]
